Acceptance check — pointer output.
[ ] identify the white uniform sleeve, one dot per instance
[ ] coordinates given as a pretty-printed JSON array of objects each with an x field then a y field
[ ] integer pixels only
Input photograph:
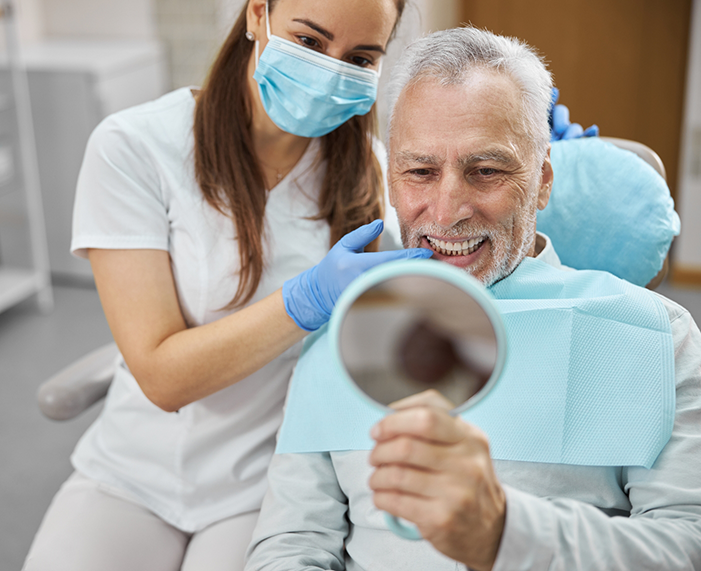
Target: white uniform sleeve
[
  {"x": 303, "y": 522},
  {"x": 664, "y": 527},
  {"x": 118, "y": 200}
]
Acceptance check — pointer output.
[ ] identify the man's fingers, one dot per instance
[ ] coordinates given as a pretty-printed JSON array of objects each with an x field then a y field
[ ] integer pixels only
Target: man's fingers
[
  {"x": 407, "y": 480},
  {"x": 408, "y": 451},
  {"x": 423, "y": 422},
  {"x": 430, "y": 397}
]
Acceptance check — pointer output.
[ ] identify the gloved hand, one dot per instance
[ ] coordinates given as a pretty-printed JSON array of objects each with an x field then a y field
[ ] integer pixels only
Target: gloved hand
[
  {"x": 560, "y": 126},
  {"x": 310, "y": 297}
]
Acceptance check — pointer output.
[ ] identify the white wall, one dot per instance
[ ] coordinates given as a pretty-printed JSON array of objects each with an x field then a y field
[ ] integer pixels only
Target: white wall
[
  {"x": 438, "y": 14},
  {"x": 103, "y": 18},
  {"x": 687, "y": 255},
  {"x": 30, "y": 18}
]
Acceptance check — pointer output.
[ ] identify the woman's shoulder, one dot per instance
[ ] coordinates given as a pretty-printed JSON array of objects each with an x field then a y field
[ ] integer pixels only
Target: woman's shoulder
[
  {"x": 168, "y": 119},
  {"x": 156, "y": 132}
]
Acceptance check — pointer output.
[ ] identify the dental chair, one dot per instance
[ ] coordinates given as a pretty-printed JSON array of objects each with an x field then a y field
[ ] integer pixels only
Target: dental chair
[{"x": 85, "y": 382}]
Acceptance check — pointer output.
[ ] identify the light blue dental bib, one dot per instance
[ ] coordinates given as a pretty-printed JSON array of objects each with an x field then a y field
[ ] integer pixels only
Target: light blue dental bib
[{"x": 588, "y": 379}]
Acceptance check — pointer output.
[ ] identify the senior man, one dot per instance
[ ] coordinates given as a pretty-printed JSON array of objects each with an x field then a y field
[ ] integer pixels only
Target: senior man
[{"x": 468, "y": 169}]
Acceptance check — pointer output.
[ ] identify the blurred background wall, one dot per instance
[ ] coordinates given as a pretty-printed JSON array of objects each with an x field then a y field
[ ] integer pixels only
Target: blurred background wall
[
  {"x": 625, "y": 65},
  {"x": 631, "y": 66}
]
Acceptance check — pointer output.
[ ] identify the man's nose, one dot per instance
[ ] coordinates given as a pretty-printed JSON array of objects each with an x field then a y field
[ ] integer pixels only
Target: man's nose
[{"x": 451, "y": 201}]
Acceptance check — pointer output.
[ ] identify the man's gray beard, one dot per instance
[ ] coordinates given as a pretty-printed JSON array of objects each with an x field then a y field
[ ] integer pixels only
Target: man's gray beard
[{"x": 507, "y": 261}]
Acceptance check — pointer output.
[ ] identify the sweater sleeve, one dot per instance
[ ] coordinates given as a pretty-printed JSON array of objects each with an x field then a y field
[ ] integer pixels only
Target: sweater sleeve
[
  {"x": 664, "y": 527},
  {"x": 303, "y": 521}
]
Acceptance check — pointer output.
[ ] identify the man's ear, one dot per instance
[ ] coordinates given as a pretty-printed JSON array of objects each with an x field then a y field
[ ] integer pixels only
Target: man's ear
[
  {"x": 255, "y": 19},
  {"x": 546, "y": 182}
]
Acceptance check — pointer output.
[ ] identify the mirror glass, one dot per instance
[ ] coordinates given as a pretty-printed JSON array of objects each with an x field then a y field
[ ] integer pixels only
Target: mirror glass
[{"x": 411, "y": 333}]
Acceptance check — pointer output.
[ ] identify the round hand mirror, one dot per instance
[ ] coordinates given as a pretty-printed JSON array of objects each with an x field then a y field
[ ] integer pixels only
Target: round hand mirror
[{"x": 407, "y": 327}]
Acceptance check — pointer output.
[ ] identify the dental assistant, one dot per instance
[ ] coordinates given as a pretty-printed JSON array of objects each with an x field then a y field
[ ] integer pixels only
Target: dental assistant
[{"x": 209, "y": 217}]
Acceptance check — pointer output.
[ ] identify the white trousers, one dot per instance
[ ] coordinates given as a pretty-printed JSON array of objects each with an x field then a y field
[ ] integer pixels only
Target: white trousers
[{"x": 91, "y": 526}]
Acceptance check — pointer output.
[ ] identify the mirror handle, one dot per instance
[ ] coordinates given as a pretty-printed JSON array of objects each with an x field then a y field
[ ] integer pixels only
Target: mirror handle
[{"x": 405, "y": 530}]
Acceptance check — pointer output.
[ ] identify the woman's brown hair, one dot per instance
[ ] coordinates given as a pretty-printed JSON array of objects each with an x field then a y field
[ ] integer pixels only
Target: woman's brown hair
[{"x": 230, "y": 176}]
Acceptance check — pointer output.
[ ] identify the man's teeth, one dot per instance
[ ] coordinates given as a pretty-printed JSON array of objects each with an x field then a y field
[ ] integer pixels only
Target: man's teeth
[{"x": 455, "y": 248}]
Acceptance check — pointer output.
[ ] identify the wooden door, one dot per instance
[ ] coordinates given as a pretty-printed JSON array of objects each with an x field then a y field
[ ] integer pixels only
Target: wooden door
[{"x": 618, "y": 63}]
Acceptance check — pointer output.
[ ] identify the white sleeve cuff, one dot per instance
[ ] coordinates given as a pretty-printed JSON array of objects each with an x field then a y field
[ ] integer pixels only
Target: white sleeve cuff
[{"x": 527, "y": 542}]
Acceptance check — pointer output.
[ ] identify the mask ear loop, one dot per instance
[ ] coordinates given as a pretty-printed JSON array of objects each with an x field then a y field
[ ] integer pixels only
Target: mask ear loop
[{"x": 267, "y": 31}]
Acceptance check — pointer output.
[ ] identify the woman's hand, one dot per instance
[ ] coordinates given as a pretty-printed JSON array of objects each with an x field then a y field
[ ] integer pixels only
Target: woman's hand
[
  {"x": 310, "y": 297},
  {"x": 560, "y": 126}
]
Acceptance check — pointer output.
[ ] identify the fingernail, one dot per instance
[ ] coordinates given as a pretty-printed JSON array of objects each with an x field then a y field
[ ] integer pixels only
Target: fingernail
[{"x": 375, "y": 432}]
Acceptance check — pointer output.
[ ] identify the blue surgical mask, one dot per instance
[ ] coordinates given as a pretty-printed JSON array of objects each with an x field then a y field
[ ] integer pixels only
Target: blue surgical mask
[{"x": 307, "y": 93}]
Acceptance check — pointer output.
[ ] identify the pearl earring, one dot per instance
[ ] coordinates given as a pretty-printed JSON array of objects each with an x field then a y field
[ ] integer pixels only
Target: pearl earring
[{"x": 250, "y": 36}]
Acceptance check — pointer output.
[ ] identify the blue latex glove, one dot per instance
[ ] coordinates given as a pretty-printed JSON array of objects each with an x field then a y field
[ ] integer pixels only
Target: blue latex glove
[
  {"x": 310, "y": 297},
  {"x": 560, "y": 126}
]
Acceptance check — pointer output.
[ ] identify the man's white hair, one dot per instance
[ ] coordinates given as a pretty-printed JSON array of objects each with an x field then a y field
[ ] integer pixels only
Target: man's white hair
[{"x": 450, "y": 56}]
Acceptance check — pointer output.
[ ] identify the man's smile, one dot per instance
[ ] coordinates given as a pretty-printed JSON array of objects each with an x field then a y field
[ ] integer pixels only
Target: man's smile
[{"x": 460, "y": 247}]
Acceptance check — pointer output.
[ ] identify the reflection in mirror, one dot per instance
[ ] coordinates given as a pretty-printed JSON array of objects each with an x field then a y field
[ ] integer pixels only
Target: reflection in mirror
[{"x": 412, "y": 333}]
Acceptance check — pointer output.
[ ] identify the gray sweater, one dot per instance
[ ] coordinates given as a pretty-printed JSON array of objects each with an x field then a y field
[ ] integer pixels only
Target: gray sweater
[{"x": 318, "y": 511}]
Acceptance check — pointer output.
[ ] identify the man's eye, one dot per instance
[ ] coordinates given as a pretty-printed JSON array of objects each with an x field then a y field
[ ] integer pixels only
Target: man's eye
[
  {"x": 487, "y": 172},
  {"x": 420, "y": 172}
]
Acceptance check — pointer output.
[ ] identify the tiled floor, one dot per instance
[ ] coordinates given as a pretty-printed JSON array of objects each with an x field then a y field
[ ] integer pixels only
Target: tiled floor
[{"x": 35, "y": 450}]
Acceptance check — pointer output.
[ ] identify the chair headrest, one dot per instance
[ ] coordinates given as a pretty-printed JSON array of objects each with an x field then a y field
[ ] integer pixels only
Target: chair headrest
[{"x": 609, "y": 210}]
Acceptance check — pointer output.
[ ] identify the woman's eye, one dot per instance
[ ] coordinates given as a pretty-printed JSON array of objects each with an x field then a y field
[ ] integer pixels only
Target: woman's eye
[
  {"x": 360, "y": 61},
  {"x": 308, "y": 42}
]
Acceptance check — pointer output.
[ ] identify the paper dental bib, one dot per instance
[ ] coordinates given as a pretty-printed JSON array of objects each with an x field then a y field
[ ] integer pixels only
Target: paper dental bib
[{"x": 588, "y": 380}]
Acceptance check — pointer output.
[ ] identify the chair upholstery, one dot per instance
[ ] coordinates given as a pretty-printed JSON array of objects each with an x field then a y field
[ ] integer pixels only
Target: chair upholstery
[{"x": 609, "y": 210}]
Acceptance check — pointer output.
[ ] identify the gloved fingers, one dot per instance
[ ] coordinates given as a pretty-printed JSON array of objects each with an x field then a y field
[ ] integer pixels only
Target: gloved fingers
[
  {"x": 372, "y": 259},
  {"x": 592, "y": 131},
  {"x": 561, "y": 120},
  {"x": 573, "y": 131},
  {"x": 361, "y": 237},
  {"x": 554, "y": 96}
]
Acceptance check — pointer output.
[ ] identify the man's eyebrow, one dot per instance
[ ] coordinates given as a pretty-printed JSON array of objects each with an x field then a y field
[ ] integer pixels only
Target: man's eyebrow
[
  {"x": 408, "y": 156},
  {"x": 330, "y": 36},
  {"x": 495, "y": 155}
]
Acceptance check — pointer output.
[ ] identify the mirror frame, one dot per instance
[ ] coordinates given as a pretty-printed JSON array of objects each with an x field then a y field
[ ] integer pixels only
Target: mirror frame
[{"x": 429, "y": 268}]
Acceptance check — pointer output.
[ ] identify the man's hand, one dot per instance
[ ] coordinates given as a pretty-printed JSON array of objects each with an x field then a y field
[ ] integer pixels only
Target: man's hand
[{"x": 435, "y": 471}]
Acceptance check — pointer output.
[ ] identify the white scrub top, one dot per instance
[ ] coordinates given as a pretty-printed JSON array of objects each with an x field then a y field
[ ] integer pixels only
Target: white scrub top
[{"x": 137, "y": 190}]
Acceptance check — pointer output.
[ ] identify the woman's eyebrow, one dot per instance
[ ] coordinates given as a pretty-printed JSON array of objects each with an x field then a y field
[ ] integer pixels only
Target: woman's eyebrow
[
  {"x": 328, "y": 35},
  {"x": 315, "y": 27}
]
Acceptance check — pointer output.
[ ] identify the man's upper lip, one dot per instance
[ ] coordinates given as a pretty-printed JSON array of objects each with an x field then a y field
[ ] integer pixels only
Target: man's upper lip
[
  {"x": 455, "y": 246},
  {"x": 455, "y": 240}
]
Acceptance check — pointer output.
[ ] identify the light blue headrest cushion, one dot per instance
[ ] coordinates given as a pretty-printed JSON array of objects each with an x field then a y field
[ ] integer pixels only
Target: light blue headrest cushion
[{"x": 609, "y": 210}]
